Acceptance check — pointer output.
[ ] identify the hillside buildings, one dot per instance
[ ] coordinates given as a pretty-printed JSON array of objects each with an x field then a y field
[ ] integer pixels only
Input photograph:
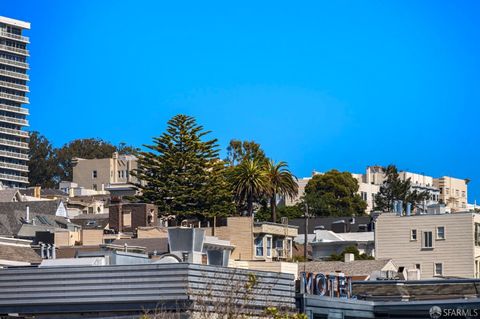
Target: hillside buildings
[
  {"x": 13, "y": 91},
  {"x": 449, "y": 191},
  {"x": 106, "y": 174}
]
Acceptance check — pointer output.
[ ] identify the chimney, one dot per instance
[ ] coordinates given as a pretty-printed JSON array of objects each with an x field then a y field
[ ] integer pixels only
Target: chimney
[
  {"x": 28, "y": 214},
  {"x": 349, "y": 257},
  {"x": 36, "y": 191},
  {"x": 54, "y": 253}
]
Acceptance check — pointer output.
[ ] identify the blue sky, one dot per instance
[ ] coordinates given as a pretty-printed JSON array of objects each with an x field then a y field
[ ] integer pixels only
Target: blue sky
[{"x": 321, "y": 84}]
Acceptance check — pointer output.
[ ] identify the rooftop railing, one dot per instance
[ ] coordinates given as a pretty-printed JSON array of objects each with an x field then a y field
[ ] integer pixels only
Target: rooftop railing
[
  {"x": 19, "y": 64},
  {"x": 16, "y": 98},
  {"x": 15, "y": 75},
  {"x": 15, "y": 178},
  {"x": 23, "y": 168},
  {"x": 14, "y": 155},
  {"x": 13, "y": 120},
  {"x": 15, "y": 109},
  {"x": 10, "y": 131},
  {"x": 4, "y": 141},
  {"x": 14, "y": 50},
  {"x": 13, "y": 36},
  {"x": 10, "y": 85}
]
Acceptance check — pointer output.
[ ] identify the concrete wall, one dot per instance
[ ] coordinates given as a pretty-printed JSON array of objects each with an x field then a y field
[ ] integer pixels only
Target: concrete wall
[
  {"x": 456, "y": 251},
  {"x": 92, "y": 237}
]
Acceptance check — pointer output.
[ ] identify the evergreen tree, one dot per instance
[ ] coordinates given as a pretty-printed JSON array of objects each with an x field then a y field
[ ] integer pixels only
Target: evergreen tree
[
  {"x": 393, "y": 188},
  {"x": 42, "y": 166},
  {"x": 182, "y": 172}
]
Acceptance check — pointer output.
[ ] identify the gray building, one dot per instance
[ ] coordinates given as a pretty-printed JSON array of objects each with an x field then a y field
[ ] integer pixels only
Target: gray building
[{"x": 13, "y": 91}]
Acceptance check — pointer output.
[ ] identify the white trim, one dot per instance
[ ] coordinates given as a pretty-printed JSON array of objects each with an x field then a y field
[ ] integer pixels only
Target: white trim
[{"x": 14, "y": 22}]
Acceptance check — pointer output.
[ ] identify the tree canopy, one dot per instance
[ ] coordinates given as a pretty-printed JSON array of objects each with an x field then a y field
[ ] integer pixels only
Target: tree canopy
[
  {"x": 238, "y": 151},
  {"x": 42, "y": 166},
  {"x": 334, "y": 194},
  {"x": 182, "y": 172},
  {"x": 394, "y": 188},
  {"x": 49, "y": 165}
]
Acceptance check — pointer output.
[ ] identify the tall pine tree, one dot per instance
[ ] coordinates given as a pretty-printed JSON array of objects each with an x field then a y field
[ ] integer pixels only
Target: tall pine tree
[{"x": 182, "y": 172}]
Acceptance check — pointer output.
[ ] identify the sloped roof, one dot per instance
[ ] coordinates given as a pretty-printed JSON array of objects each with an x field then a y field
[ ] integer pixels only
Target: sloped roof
[
  {"x": 13, "y": 215},
  {"x": 19, "y": 253},
  {"x": 352, "y": 268},
  {"x": 101, "y": 220},
  {"x": 7, "y": 195},
  {"x": 352, "y": 223}
]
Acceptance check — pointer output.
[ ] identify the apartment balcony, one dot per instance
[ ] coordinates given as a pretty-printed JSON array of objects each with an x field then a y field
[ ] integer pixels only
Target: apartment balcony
[
  {"x": 14, "y": 86},
  {"x": 15, "y": 155},
  {"x": 10, "y": 131},
  {"x": 13, "y": 120},
  {"x": 16, "y": 167},
  {"x": 6, "y": 142},
  {"x": 17, "y": 64},
  {"x": 14, "y": 50},
  {"x": 13, "y": 36},
  {"x": 15, "y": 178},
  {"x": 15, "y": 98},
  {"x": 15, "y": 75},
  {"x": 15, "y": 109}
]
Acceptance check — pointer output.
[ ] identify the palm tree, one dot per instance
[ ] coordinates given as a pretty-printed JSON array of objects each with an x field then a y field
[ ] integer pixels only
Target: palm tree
[
  {"x": 280, "y": 182},
  {"x": 249, "y": 181}
]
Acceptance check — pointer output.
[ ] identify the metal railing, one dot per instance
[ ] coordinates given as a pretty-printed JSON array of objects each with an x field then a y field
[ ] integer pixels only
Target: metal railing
[
  {"x": 14, "y": 155},
  {"x": 16, "y": 98},
  {"x": 14, "y": 36},
  {"x": 15, "y": 109},
  {"x": 4, "y": 141},
  {"x": 13, "y": 120},
  {"x": 19, "y": 64},
  {"x": 15, "y": 75},
  {"x": 11, "y": 131},
  {"x": 23, "y": 168},
  {"x": 14, "y": 50},
  {"x": 15, "y": 86},
  {"x": 15, "y": 178}
]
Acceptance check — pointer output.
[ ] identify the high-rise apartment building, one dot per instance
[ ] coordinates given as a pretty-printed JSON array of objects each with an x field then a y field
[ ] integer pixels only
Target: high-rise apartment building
[{"x": 13, "y": 91}]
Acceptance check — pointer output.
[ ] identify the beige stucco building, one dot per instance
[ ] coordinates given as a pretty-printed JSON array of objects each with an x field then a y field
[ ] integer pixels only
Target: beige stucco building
[
  {"x": 453, "y": 192},
  {"x": 442, "y": 245},
  {"x": 102, "y": 173}
]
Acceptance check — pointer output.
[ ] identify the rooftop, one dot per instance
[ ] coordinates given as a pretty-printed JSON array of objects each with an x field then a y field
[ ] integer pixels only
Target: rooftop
[
  {"x": 352, "y": 268},
  {"x": 14, "y": 22}
]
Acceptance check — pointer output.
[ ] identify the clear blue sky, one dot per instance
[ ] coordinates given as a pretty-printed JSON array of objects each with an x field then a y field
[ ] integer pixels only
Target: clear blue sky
[{"x": 321, "y": 84}]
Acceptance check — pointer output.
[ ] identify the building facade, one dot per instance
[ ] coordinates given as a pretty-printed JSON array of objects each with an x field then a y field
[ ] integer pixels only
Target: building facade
[
  {"x": 13, "y": 113},
  {"x": 453, "y": 192},
  {"x": 439, "y": 245},
  {"x": 103, "y": 173}
]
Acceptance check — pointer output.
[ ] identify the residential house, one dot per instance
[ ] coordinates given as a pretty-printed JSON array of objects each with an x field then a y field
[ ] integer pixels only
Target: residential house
[
  {"x": 17, "y": 252},
  {"x": 327, "y": 243},
  {"x": 439, "y": 245},
  {"x": 127, "y": 217},
  {"x": 453, "y": 192},
  {"x": 112, "y": 174}
]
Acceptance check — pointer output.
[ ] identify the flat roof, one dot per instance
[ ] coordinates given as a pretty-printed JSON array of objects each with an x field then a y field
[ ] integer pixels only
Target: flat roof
[{"x": 17, "y": 23}]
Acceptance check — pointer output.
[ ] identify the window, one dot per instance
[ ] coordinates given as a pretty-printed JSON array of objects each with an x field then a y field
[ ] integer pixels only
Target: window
[
  {"x": 463, "y": 193},
  {"x": 477, "y": 234},
  {"x": 438, "y": 269},
  {"x": 269, "y": 246},
  {"x": 259, "y": 246},
  {"x": 413, "y": 234},
  {"x": 447, "y": 191},
  {"x": 427, "y": 240},
  {"x": 94, "y": 174},
  {"x": 127, "y": 219},
  {"x": 418, "y": 266},
  {"x": 441, "y": 232},
  {"x": 94, "y": 186},
  {"x": 364, "y": 195}
]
